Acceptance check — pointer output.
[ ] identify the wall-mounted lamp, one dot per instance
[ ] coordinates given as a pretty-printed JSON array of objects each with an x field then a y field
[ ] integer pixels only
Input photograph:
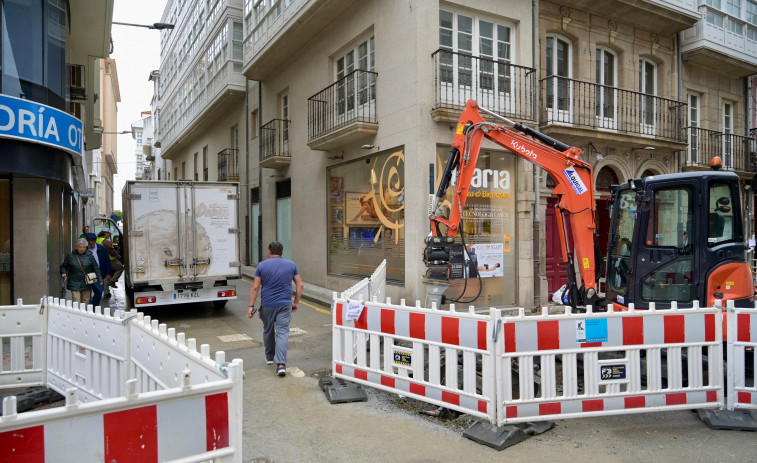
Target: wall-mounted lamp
[
  {"x": 157, "y": 26},
  {"x": 116, "y": 133},
  {"x": 368, "y": 147},
  {"x": 596, "y": 152}
]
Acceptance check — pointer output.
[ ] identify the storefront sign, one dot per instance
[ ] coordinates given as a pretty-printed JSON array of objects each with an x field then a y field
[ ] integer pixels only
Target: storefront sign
[{"x": 38, "y": 123}]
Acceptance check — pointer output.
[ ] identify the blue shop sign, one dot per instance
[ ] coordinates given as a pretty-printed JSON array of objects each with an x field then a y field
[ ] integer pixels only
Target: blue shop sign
[{"x": 38, "y": 123}]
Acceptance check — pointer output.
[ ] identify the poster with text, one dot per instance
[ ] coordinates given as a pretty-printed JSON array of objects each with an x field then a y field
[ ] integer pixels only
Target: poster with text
[{"x": 486, "y": 258}]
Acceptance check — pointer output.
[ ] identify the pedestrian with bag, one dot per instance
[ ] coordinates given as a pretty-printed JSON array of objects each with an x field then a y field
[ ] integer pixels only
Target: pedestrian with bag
[
  {"x": 103, "y": 261},
  {"x": 273, "y": 278},
  {"x": 80, "y": 271}
]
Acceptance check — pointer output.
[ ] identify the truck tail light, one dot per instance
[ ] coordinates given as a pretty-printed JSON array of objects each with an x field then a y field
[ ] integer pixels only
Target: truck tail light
[
  {"x": 146, "y": 300},
  {"x": 227, "y": 293}
]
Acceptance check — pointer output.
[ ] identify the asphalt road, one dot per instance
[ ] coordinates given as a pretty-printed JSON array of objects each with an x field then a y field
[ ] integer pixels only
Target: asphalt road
[{"x": 289, "y": 419}]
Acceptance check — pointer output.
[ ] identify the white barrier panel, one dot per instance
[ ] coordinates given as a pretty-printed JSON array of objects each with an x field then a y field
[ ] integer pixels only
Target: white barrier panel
[
  {"x": 742, "y": 342},
  {"x": 191, "y": 423},
  {"x": 625, "y": 357},
  {"x": 401, "y": 349},
  {"x": 87, "y": 349},
  {"x": 378, "y": 283},
  {"x": 22, "y": 346}
]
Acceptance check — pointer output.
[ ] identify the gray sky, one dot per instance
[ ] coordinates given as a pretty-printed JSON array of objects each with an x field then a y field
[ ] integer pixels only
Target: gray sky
[{"x": 137, "y": 52}]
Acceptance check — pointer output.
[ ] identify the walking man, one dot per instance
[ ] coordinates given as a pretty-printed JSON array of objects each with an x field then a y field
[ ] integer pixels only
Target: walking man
[
  {"x": 103, "y": 261},
  {"x": 275, "y": 275}
]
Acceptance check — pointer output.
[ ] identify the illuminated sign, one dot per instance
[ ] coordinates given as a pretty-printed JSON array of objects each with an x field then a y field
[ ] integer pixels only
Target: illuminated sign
[{"x": 38, "y": 123}]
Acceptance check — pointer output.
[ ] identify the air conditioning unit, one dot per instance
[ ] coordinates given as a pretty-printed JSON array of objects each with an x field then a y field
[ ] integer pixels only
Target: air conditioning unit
[{"x": 76, "y": 89}]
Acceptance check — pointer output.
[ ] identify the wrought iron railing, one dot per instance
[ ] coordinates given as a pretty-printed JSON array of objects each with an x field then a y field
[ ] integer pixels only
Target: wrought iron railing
[
  {"x": 275, "y": 139},
  {"x": 228, "y": 164},
  {"x": 736, "y": 151},
  {"x": 585, "y": 104},
  {"x": 349, "y": 100},
  {"x": 499, "y": 86}
]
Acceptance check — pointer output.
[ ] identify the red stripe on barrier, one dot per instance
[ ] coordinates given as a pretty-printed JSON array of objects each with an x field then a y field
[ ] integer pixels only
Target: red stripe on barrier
[
  {"x": 552, "y": 408},
  {"x": 450, "y": 398},
  {"x": 25, "y": 445},
  {"x": 593, "y": 405},
  {"x": 633, "y": 331},
  {"x": 591, "y": 344},
  {"x": 483, "y": 406},
  {"x": 387, "y": 381},
  {"x": 362, "y": 321},
  {"x": 675, "y": 399},
  {"x": 451, "y": 331},
  {"x": 339, "y": 314},
  {"x": 482, "y": 335},
  {"x": 131, "y": 435},
  {"x": 674, "y": 328},
  {"x": 339, "y": 369},
  {"x": 418, "y": 389},
  {"x": 216, "y": 421},
  {"x": 635, "y": 402},
  {"x": 548, "y": 335},
  {"x": 744, "y": 330},
  {"x": 709, "y": 327},
  {"x": 509, "y": 333},
  {"x": 511, "y": 411},
  {"x": 744, "y": 397},
  {"x": 417, "y": 326},
  {"x": 361, "y": 374},
  {"x": 712, "y": 396},
  {"x": 387, "y": 321}
]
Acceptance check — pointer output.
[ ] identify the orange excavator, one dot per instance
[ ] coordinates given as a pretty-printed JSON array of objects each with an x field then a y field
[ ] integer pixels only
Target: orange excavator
[{"x": 674, "y": 238}]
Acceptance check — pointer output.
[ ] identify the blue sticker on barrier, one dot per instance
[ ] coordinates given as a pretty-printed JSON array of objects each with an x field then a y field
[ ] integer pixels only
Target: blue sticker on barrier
[
  {"x": 591, "y": 330},
  {"x": 608, "y": 372},
  {"x": 403, "y": 358}
]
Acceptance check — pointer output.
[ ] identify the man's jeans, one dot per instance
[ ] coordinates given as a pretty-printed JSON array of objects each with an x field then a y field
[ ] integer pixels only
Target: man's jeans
[{"x": 276, "y": 332}]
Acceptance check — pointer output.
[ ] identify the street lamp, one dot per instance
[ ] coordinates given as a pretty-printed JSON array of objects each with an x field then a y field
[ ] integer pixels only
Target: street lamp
[
  {"x": 158, "y": 26},
  {"x": 117, "y": 133}
]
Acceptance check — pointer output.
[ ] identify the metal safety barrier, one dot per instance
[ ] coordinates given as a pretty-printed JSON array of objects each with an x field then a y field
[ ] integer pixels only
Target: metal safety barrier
[{"x": 179, "y": 403}]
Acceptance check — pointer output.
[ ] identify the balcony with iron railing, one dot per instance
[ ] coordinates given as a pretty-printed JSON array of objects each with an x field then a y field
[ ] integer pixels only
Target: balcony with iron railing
[
  {"x": 498, "y": 86},
  {"x": 343, "y": 112},
  {"x": 228, "y": 165},
  {"x": 736, "y": 151},
  {"x": 611, "y": 112},
  {"x": 723, "y": 41},
  {"x": 274, "y": 139}
]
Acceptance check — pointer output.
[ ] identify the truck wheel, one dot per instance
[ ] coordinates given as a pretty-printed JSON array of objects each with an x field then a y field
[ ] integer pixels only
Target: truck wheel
[{"x": 219, "y": 305}]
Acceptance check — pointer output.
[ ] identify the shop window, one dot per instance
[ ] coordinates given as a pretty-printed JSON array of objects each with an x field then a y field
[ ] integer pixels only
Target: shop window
[{"x": 367, "y": 215}]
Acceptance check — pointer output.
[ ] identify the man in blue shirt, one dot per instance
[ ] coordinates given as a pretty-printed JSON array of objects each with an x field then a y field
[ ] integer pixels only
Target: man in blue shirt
[{"x": 275, "y": 275}]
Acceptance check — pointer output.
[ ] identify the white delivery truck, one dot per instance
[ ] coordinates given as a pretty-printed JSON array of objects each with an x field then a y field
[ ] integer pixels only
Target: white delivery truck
[{"x": 180, "y": 242}]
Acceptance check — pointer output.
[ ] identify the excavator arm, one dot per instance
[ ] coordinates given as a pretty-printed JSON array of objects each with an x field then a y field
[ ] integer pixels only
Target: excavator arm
[{"x": 575, "y": 190}]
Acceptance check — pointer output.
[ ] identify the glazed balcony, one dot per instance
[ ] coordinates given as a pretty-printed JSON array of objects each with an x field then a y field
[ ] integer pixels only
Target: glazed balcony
[
  {"x": 274, "y": 139},
  {"x": 736, "y": 151},
  {"x": 611, "y": 112},
  {"x": 228, "y": 165},
  {"x": 501, "y": 87},
  {"x": 721, "y": 41},
  {"x": 344, "y": 112}
]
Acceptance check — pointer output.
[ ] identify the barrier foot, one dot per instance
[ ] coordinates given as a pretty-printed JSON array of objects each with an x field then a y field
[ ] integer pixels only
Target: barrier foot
[
  {"x": 501, "y": 437},
  {"x": 736, "y": 420},
  {"x": 339, "y": 391}
]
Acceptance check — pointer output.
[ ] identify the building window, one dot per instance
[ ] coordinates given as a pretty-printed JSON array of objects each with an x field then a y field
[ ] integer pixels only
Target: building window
[
  {"x": 196, "y": 171},
  {"x": 366, "y": 216},
  {"x": 354, "y": 90},
  {"x": 237, "y": 52},
  {"x": 694, "y": 140},
  {"x": 284, "y": 100},
  {"x": 184, "y": 170},
  {"x": 205, "y": 163},
  {"x": 559, "y": 73},
  {"x": 648, "y": 90},
  {"x": 606, "y": 91},
  {"x": 253, "y": 124},
  {"x": 727, "y": 134}
]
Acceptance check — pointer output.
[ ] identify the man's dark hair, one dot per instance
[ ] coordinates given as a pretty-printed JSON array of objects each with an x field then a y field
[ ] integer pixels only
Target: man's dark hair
[
  {"x": 102, "y": 233},
  {"x": 276, "y": 248}
]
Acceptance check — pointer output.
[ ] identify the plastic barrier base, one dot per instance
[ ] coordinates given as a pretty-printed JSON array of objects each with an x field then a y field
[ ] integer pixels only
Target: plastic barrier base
[
  {"x": 339, "y": 391},
  {"x": 32, "y": 398},
  {"x": 736, "y": 420},
  {"x": 501, "y": 437}
]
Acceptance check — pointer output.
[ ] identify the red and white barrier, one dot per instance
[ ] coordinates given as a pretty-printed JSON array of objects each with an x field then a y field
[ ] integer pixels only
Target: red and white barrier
[
  {"x": 430, "y": 355},
  {"x": 742, "y": 343},
  {"x": 625, "y": 357},
  {"x": 196, "y": 421}
]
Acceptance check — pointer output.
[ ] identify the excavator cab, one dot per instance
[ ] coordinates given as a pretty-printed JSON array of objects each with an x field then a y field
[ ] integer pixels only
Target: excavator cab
[{"x": 678, "y": 237}]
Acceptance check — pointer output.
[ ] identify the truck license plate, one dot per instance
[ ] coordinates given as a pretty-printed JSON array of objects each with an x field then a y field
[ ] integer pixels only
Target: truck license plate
[{"x": 191, "y": 295}]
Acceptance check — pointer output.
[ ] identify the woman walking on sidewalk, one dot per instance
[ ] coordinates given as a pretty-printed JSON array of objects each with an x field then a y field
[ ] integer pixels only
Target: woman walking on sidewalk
[{"x": 74, "y": 268}]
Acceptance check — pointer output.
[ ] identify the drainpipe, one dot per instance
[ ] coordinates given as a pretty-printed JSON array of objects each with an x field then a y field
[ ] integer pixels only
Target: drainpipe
[
  {"x": 536, "y": 226},
  {"x": 681, "y": 99},
  {"x": 247, "y": 171},
  {"x": 260, "y": 171}
]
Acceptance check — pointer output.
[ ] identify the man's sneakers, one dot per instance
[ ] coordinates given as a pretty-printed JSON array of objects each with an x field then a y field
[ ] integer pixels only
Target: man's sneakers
[
  {"x": 281, "y": 370},
  {"x": 269, "y": 362}
]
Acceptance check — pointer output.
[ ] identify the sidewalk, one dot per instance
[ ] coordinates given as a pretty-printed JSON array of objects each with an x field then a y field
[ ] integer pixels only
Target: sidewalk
[{"x": 310, "y": 292}]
